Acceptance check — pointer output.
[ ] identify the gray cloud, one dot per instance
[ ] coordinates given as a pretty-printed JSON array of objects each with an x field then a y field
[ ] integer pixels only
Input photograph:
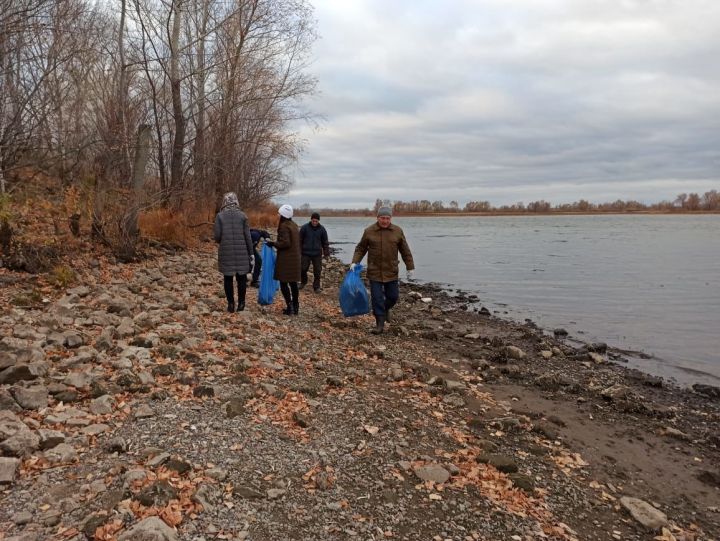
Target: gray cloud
[{"x": 511, "y": 100}]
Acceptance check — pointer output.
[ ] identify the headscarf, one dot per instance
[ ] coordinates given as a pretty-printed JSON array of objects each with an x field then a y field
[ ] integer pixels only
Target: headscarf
[{"x": 230, "y": 199}]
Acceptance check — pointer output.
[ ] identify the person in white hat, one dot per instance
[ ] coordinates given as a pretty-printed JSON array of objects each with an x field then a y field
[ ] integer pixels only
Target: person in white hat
[{"x": 287, "y": 265}]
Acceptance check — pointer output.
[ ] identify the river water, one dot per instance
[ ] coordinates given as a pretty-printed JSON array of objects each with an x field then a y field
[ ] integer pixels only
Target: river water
[{"x": 647, "y": 283}]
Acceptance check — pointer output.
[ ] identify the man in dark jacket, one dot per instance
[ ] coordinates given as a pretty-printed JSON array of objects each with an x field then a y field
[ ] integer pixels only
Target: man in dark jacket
[
  {"x": 382, "y": 241},
  {"x": 256, "y": 235},
  {"x": 315, "y": 246}
]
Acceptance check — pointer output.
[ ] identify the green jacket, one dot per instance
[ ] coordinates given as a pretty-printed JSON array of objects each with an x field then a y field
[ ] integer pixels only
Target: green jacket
[{"x": 382, "y": 247}]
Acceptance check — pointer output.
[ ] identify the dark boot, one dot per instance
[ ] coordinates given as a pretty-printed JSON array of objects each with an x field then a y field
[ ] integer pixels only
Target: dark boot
[
  {"x": 379, "y": 325},
  {"x": 296, "y": 307},
  {"x": 231, "y": 307},
  {"x": 289, "y": 310},
  {"x": 387, "y": 315},
  {"x": 241, "y": 306}
]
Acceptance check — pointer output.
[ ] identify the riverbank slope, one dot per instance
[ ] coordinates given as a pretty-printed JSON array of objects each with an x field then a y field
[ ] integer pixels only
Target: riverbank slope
[{"x": 134, "y": 395}]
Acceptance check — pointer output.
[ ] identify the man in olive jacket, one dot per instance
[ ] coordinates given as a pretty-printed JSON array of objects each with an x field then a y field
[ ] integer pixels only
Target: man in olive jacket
[{"x": 382, "y": 241}]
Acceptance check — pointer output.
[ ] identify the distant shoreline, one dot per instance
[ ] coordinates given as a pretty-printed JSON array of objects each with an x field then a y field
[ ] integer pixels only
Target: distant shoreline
[{"x": 366, "y": 214}]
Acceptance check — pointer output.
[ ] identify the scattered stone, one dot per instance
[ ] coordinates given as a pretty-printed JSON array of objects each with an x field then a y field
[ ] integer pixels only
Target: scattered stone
[
  {"x": 91, "y": 525},
  {"x": 50, "y": 438},
  {"x": 515, "y": 352},
  {"x": 334, "y": 381},
  {"x": 452, "y": 386},
  {"x": 143, "y": 411},
  {"x": 7, "y": 402},
  {"x": 158, "y": 493},
  {"x": 596, "y": 358},
  {"x": 158, "y": 460},
  {"x": 454, "y": 400},
  {"x": 21, "y": 443},
  {"x": 644, "y": 513},
  {"x": 79, "y": 380},
  {"x": 502, "y": 463},
  {"x": 203, "y": 391},
  {"x": 21, "y": 518},
  {"x": 73, "y": 340},
  {"x": 248, "y": 493},
  {"x": 560, "y": 333},
  {"x": 20, "y": 372},
  {"x": 707, "y": 390},
  {"x": 546, "y": 354},
  {"x": 218, "y": 474},
  {"x": 275, "y": 493},
  {"x": 61, "y": 454},
  {"x": 178, "y": 465},
  {"x": 234, "y": 407},
  {"x": 205, "y": 495},
  {"x": 102, "y": 405},
  {"x": 117, "y": 445},
  {"x": 31, "y": 398},
  {"x": 432, "y": 472},
  {"x": 676, "y": 434},
  {"x": 523, "y": 482},
  {"x": 302, "y": 420},
  {"x": 8, "y": 467},
  {"x": 95, "y": 429},
  {"x": 149, "y": 529}
]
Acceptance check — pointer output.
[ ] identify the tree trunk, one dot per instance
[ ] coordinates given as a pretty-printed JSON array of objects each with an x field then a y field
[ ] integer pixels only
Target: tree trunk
[
  {"x": 142, "y": 149},
  {"x": 176, "y": 165}
]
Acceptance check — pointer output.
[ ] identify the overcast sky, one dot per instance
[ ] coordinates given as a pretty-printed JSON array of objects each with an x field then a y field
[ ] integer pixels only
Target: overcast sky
[{"x": 512, "y": 100}]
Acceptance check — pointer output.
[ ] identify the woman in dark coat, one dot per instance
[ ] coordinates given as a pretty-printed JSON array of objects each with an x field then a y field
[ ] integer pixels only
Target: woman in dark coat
[
  {"x": 287, "y": 265},
  {"x": 235, "y": 251}
]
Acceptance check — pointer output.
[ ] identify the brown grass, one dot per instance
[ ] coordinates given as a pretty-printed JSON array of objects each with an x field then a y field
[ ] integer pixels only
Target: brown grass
[
  {"x": 263, "y": 217},
  {"x": 174, "y": 227}
]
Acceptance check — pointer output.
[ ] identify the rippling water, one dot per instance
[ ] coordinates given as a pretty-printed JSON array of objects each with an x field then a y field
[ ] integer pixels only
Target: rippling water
[{"x": 648, "y": 283}]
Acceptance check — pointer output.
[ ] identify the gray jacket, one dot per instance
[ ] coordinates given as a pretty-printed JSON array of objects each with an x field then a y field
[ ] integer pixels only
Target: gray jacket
[{"x": 232, "y": 232}]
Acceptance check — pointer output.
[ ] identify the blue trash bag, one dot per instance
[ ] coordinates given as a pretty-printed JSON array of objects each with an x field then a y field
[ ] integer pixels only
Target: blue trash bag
[
  {"x": 354, "y": 299},
  {"x": 268, "y": 285}
]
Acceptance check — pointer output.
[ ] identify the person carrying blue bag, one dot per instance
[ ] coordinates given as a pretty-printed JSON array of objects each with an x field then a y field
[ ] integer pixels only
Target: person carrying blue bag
[
  {"x": 382, "y": 241},
  {"x": 353, "y": 295},
  {"x": 268, "y": 285}
]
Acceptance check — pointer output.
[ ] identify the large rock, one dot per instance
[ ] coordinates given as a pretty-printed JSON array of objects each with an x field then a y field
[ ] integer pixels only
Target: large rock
[
  {"x": 31, "y": 398},
  {"x": 149, "y": 529},
  {"x": 8, "y": 467},
  {"x": 644, "y": 513}
]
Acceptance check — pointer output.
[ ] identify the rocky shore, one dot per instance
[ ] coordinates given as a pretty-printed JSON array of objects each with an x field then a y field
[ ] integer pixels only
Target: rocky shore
[{"x": 133, "y": 407}]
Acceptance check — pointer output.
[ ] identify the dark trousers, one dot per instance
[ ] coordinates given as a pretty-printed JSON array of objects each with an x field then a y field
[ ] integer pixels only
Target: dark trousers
[
  {"x": 242, "y": 287},
  {"x": 290, "y": 293},
  {"x": 257, "y": 267},
  {"x": 316, "y": 261},
  {"x": 384, "y": 295}
]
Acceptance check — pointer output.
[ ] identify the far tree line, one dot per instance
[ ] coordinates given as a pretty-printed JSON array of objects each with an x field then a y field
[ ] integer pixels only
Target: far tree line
[{"x": 709, "y": 201}]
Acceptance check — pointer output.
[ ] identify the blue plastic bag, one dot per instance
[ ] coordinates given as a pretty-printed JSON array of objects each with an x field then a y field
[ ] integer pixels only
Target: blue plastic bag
[
  {"x": 354, "y": 299},
  {"x": 268, "y": 285}
]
